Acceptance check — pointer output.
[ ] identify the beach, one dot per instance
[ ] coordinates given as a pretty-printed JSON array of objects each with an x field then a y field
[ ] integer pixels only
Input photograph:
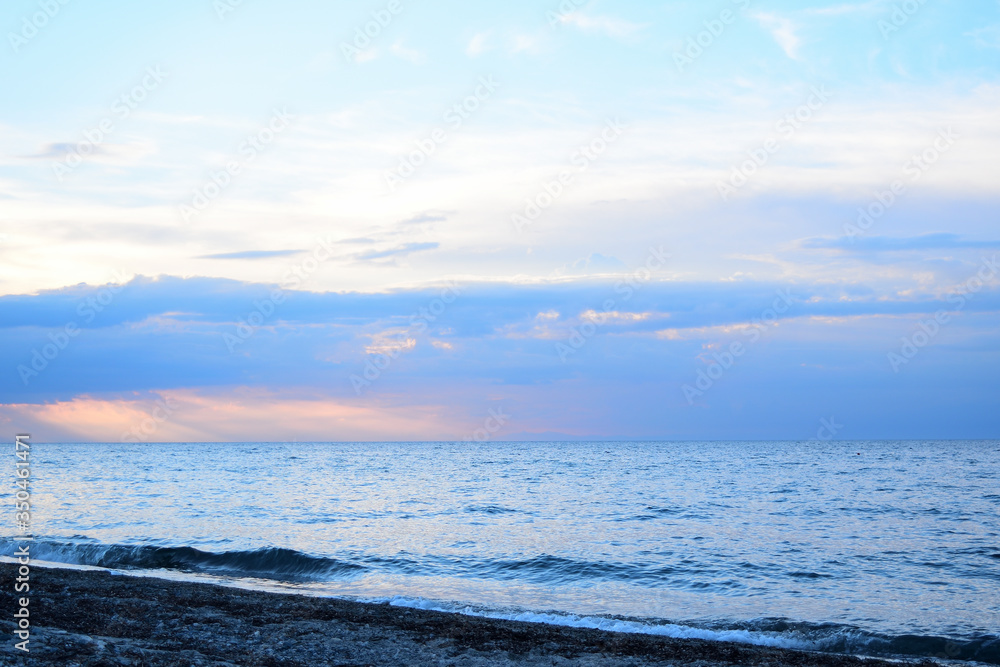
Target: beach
[{"x": 99, "y": 618}]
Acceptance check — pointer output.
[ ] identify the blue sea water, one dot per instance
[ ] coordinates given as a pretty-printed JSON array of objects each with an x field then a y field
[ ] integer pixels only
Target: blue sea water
[{"x": 877, "y": 548}]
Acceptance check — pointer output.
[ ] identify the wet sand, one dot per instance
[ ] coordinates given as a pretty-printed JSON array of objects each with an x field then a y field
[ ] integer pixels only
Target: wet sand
[{"x": 95, "y": 618}]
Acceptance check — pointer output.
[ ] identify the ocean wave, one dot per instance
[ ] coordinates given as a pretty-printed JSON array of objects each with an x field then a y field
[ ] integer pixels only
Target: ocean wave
[
  {"x": 282, "y": 564},
  {"x": 490, "y": 509},
  {"x": 287, "y": 565},
  {"x": 548, "y": 569},
  {"x": 269, "y": 563}
]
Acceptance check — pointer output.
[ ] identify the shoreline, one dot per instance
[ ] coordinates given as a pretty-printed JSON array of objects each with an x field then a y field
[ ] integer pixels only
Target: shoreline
[{"x": 88, "y": 617}]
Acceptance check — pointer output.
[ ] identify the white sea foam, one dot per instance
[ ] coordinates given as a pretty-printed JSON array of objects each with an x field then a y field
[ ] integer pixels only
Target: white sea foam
[{"x": 608, "y": 624}]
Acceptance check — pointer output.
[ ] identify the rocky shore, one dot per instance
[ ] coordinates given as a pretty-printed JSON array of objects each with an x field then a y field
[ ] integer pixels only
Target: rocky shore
[{"x": 95, "y": 618}]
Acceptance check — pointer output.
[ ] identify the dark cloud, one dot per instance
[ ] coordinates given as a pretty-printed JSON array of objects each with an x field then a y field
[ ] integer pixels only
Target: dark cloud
[
  {"x": 168, "y": 333},
  {"x": 482, "y": 307}
]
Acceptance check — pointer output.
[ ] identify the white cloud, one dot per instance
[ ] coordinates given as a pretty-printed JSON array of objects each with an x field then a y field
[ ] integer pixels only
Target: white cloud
[
  {"x": 611, "y": 26},
  {"x": 391, "y": 342},
  {"x": 334, "y": 162},
  {"x": 525, "y": 43},
  {"x": 848, "y": 8},
  {"x": 783, "y": 31},
  {"x": 477, "y": 45},
  {"x": 614, "y": 316},
  {"x": 987, "y": 36},
  {"x": 411, "y": 55}
]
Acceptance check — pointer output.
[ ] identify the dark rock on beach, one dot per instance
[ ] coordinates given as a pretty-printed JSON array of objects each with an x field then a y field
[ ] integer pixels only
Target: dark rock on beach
[{"x": 96, "y": 618}]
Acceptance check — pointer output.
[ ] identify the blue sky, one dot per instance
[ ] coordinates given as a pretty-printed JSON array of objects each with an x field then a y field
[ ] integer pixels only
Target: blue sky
[{"x": 257, "y": 225}]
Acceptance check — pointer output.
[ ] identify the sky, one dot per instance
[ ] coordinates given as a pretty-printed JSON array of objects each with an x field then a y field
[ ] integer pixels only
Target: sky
[{"x": 740, "y": 219}]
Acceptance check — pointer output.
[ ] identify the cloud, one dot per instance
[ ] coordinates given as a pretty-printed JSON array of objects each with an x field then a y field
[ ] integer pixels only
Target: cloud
[
  {"x": 638, "y": 343},
  {"x": 252, "y": 254},
  {"x": 598, "y": 263},
  {"x": 60, "y": 150},
  {"x": 609, "y": 25},
  {"x": 936, "y": 241},
  {"x": 201, "y": 304},
  {"x": 525, "y": 43},
  {"x": 104, "y": 151},
  {"x": 783, "y": 31},
  {"x": 235, "y": 413},
  {"x": 427, "y": 216},
  {"x": 362, "y": 240},
  {"x": 399, "y": 251},
  {"x": 410, "y": 55},
  {"x": 986, "y": 37},
  {"x": 477, "y": 45},
  {"x": 848, "y": 8},
  {"x": 390, "y": 341}
]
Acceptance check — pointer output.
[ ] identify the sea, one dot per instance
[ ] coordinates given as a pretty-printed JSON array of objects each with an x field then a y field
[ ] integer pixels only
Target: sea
[{"x": 880, "y": 548}]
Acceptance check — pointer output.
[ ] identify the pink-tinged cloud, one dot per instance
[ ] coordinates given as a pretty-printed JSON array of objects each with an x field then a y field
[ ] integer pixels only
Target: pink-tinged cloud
[{"x": 239, "y": 415}]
